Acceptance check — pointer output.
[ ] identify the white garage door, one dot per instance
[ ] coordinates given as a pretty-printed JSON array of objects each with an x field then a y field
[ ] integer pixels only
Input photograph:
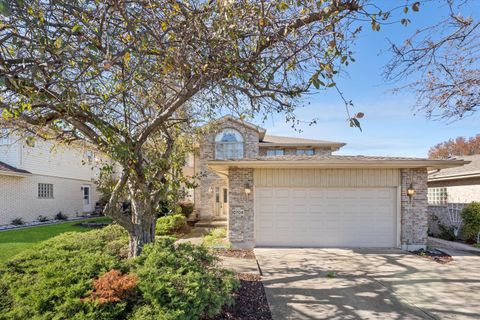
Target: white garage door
[{"x": 325, "y": 217}]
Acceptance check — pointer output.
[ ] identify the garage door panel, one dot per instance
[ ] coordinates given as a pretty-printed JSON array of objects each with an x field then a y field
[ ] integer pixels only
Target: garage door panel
[{"x": 326, "y": 217}]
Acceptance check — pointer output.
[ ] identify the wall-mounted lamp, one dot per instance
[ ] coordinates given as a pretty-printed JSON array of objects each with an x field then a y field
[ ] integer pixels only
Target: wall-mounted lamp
[
  {"x": 210, "y": 190},
  {"x": 248, "y": 189},
  {"x": 410, "y": 191}
]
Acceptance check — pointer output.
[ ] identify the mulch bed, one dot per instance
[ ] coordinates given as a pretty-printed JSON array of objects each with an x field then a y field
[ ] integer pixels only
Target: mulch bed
[
  {"x": 435, "y": 255},
  {"x": 250, "y": 301},
  {"x": 236, "y": 253}
]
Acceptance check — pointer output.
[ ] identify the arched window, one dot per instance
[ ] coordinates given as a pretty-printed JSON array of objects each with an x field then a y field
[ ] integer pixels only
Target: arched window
[{"x": 228, "y": 145}]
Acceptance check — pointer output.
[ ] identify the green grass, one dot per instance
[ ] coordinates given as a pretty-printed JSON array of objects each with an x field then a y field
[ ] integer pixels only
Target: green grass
[{"x": 13, "y": 242}]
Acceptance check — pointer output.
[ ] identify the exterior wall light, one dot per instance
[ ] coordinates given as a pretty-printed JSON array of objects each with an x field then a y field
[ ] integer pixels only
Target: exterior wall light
[
  {"x": 210, "y": 190},
  {"x": 410, "y": 191},
  {"x": 248, "y": 189}
]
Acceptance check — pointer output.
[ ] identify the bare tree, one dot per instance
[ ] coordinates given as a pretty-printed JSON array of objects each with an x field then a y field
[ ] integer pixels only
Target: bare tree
[
  {"x": 444, "y": 61},
  {"x": 128, "y": 76}
]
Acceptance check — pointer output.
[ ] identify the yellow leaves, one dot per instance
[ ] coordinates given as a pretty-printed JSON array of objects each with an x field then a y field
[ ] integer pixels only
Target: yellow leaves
[
  {"x": 58, "y": 43},
  {"x": 164, "y": 26},
  {"x": 176, "y": 7},
  {"x": 126, "y": 58}
]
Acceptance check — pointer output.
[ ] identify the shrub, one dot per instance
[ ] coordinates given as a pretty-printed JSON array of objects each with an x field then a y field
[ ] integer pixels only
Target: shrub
[
  {"x": 187, "y": 207},
  {"x": 216, "y": 239},
  {"x": 183, "y": 280},
  {"x": 42, "y": 218},
  {"x": 18, "y": 222},
  {"x": 61, "y": 216},
  {"x": 471, "y": 221},
  {"x": 447, "y": 232},
  {"x": 170, "y": 224},
  {"x": 112, "y": 286},
  {"x": 50, "y": 280},
  {"x": 83, "y": 276}
]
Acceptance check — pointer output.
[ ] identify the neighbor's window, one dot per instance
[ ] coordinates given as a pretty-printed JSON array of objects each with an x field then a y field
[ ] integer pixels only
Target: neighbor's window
[
  {"x": 45, "y": 190},
  {"x": 275, "y": 152},
  {"x": 228, "y": 145},
  {"x": 437, "y": 195},
  {"x": 89, "y": 155},
  {"x": 4, "y": 138},
  {"x": 308, "y": 152}
]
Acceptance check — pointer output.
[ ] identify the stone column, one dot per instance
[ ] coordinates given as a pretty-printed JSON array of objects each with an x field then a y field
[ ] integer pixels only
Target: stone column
[
  {"x": 414, "y": 216},
  {"x": 241, "y": 211}
]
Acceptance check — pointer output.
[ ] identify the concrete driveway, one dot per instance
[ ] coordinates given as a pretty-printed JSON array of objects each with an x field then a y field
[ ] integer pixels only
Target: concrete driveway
[{"x": 368, "y": 284}]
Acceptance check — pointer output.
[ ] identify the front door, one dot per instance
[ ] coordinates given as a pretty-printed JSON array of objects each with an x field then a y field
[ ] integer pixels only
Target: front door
[
  {"x": 87, "y": 201},
  {"x": 221, "y": 202},
  {"x": 225, "y": 202}
]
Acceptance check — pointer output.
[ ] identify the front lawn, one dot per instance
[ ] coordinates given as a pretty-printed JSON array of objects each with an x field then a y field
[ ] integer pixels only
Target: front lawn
[{"x": 18, "y": 240}]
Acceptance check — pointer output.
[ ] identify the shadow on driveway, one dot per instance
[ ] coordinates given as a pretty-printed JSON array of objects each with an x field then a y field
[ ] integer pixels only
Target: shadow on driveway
[{"x": 368, "y": 284}]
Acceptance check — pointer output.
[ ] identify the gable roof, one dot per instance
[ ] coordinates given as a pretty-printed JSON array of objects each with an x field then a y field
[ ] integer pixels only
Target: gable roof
[
  {"x": 261, "y": 131},
  {"x": 469, "y": 170},
  {"x": 8, "y": 170},
  {"x": 278, "y": 141}
]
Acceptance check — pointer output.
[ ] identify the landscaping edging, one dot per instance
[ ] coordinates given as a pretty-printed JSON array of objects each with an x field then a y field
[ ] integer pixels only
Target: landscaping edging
[
  {"x": 436, "y": 242},
  {"x": 37, "y": 223}
]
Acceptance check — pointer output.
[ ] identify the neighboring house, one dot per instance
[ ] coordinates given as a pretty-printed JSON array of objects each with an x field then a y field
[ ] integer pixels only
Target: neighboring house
[
  {"x": 279, "y": 191},
  {"x": 455, "y": 185},
  {"x": 45, "y": 179}
]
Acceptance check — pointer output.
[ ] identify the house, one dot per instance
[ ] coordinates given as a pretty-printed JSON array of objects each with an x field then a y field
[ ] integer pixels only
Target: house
[
  {"x": 279, "y": 191},
  {"x": 455, "y": 185},
  {"x": 41, "y": 178}
]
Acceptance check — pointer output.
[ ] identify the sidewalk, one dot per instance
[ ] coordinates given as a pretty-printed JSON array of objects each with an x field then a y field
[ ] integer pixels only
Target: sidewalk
[{"x": 440, "y": 243}]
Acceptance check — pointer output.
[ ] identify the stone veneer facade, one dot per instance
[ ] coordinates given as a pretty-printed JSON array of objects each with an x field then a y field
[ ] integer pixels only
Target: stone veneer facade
[
  {"x": 414, "y": 216},
  {"x": 414, "y": 219},
  {"x": 209, "y": 180}
]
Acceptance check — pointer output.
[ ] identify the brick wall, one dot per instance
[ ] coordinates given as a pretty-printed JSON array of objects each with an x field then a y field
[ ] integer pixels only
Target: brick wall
[
  {"x": 209, "y": 180},
  {"x": 241, "y": 215},
  {"x": 19, "y": 197},
  {"x": 414, "y": 217}
]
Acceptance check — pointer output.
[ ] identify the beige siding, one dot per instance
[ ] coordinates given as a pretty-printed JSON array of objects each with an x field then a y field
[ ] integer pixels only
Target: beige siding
[{"x": 341, "y": 178}]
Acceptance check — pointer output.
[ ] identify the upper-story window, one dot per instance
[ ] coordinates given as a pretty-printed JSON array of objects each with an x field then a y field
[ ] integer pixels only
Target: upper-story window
[
  {"x": 228, "y": 145},
  {"x": 308, "y": 152},
  {"x": 4, "y": 136},
  {"x": 275, "y": 152}
]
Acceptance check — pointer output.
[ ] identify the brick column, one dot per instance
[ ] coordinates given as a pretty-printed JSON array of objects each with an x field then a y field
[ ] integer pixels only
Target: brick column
[
  {"x": 240, "y": 216},
  {"x": 414, "y": 216}
]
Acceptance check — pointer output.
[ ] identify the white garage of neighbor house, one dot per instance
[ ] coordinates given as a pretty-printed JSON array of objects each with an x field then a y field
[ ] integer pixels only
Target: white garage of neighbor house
[{"x": 328, "y": 200}]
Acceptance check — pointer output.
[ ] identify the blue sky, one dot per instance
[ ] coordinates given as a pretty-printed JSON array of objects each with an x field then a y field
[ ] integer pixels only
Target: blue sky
[{"x": 390, "y": 126}]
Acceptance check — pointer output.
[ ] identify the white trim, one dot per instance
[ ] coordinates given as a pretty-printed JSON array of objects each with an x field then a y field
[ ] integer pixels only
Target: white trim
[{"x": 399, "y": 214}]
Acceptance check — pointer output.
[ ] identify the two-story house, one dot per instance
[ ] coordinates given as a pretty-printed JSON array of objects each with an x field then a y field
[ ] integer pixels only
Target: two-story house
[
  {"x": 44, "y": 179},
  {"x": 279, "y": 191}
]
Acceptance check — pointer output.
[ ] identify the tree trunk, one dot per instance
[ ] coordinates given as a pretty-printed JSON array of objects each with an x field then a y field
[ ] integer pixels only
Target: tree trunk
[{"x": 143, "y": 230}]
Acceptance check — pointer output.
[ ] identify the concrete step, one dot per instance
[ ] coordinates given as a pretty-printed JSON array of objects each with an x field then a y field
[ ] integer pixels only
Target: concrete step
[{"x": 211, "y": 224}]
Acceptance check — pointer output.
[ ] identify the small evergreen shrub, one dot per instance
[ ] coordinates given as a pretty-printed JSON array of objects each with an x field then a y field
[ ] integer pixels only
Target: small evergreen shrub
[
  {"x": 18, "y": 222},
  {"x": 85, "y": 276},
  {"x": 217, "y": 238},
  {"x": 42, "y": 218},
  {"x": 471, "y": 221},
  {"x": 170, "y": 224},
  {"x": 446, "y": 232},
  {"x": 61, "y": 216},
  {"x": 187, "y": 207}
]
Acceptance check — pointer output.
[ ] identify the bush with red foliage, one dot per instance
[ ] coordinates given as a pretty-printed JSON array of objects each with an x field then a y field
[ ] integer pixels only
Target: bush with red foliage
[{"x": 113, "y": 286}]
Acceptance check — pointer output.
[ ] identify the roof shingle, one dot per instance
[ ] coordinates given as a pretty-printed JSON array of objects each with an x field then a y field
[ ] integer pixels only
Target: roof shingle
[
  {"x": 469, "y": 169},
  {"x": 8, "y": 168}
]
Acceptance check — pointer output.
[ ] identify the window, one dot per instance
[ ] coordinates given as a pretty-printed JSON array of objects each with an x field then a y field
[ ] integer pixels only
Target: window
[
  {"x": 4, "y": 138},
  {"x": 228, "y": 145},
  {"x": 275, "y": 152},
  {"x": 45, "y": 190},
  {"x": 225, "y": 195},
  {"x": 437, "y": 195},
  {"x": 308, "y": 152},
  {"x": 217, "y": 195}
]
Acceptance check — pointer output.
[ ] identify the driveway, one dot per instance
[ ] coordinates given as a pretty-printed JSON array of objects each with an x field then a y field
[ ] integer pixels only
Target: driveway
[{"x": 368, "y": 284}]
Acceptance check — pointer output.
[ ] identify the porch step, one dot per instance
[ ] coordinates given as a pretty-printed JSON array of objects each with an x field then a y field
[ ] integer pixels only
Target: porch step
[{"x": 211, "y": 224}]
